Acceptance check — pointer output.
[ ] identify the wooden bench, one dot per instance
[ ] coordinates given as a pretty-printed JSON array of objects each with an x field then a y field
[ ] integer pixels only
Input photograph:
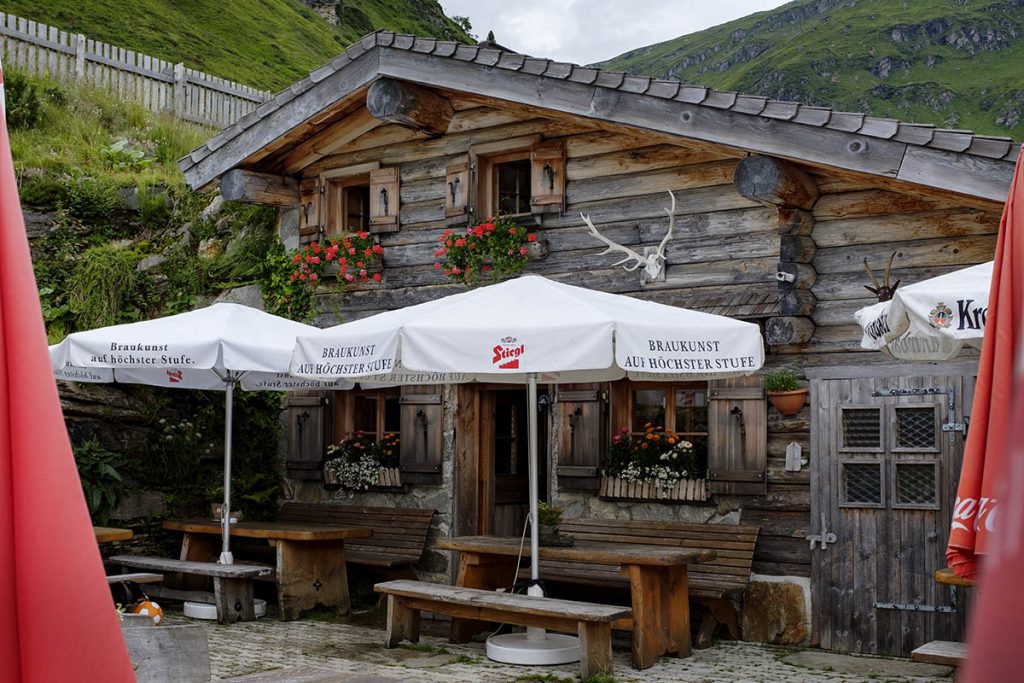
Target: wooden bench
[
  {"x": 399, "y": 534},
  {"x": 711, "y": 583},
  {"x": 136, "y": 577},
  {"x": 232, "y": 583},
  {"x": 592, "y": 622}
]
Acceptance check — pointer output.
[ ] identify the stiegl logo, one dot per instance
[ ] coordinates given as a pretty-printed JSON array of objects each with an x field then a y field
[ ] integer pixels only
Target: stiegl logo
[
  {"x": 174, "y": 376},
  {"x": 507, "y": 353}
]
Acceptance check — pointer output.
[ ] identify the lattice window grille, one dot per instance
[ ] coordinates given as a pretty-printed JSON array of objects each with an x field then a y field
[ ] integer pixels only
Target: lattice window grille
[
  {"x": 916, "y": 484},
  {"x": 862, "y": 428},
  {"x": 915, "y": 428},
  {"x": 862, "y": 483}
]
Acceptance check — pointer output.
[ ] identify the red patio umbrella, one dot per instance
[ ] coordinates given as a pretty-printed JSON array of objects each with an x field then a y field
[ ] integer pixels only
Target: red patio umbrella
[
  {"x": 57, "y": 620},
  {"x": 982, "y": 480}
]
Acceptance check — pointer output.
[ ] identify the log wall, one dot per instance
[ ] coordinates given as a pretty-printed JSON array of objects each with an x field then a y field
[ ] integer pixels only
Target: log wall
[{"x": 725, "y": 250}]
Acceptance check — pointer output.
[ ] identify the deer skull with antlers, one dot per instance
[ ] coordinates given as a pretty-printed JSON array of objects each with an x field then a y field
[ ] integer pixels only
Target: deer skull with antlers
[
  {"x": 883, "y": 291},
  {"x": 652, "y": 262}
]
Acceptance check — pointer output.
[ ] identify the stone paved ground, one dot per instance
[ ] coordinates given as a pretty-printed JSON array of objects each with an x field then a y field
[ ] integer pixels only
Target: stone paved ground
[{"x": 353, "y": 646}]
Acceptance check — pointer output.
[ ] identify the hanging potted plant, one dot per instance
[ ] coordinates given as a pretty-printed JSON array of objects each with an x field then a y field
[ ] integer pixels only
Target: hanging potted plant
[
  {"x": 784, "y": 391},
  {"x": 497, "y": 247},
  {"x": 548, "y": 518}
]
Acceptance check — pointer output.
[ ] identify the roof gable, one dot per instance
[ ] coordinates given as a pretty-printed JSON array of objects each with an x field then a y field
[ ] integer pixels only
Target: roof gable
[{"x": 950, "y": 160}]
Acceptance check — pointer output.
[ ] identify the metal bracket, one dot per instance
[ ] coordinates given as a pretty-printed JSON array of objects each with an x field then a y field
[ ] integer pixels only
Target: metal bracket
[
  {"x": 824, "y": 537},
  {"x": 912, "y": 607}
]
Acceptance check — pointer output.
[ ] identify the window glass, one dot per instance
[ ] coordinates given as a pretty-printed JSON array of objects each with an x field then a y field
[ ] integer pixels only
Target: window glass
[
  {"x": 915, "y": 428},
  {"x": 513, "y": 186},
  {"x": 392, "y": 413},
  {"x": 862, "y": 483},
  {"x": 648, "y": 407},
  {"x": 862, "y": 428},
  {"x": 916, "y": 484},
  {"x": 364, "y": 417},
  {"x": 357, "y": 208}
]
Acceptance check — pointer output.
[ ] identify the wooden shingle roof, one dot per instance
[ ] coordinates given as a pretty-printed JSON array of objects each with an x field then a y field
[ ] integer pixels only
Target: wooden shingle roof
[{"x": 954, "y": 160}]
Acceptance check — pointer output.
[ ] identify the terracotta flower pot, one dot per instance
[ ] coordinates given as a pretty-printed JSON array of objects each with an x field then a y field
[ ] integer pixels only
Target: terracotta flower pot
[{"x": 789, "y": 403}]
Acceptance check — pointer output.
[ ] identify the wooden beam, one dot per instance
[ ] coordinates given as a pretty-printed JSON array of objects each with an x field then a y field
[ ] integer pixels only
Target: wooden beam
[
  {"x": 775, "y": 182},
  {"x": 796, "y": 302},
  {"x": 409, "y": 105},
  {"x": 250, "y": 187},
  {"x": 329, "y": 141},
  {"x": 797, "y": 249},
  {"x": 788, "y": 330}
]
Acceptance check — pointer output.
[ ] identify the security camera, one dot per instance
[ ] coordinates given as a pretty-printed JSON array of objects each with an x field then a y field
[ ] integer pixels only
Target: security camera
[{"x": 783, "y": 276}]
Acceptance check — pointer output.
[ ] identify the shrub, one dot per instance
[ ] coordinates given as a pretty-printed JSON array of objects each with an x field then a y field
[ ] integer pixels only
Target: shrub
[
  {"x": 102, "y": 283},
  {"x": 24, "y": 101},
  {"x": 101, "y": 480}
]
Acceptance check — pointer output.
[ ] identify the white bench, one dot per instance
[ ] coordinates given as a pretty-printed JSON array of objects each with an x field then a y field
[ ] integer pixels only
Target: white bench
[
  {"x": 232, "y": 583},
  {"x": 591, "y": 621}
]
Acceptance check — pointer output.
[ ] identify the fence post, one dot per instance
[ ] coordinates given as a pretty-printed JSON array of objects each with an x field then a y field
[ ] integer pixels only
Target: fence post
[
  {"x": 180, "y": 84},
  {"x": 79, "y": 57}
]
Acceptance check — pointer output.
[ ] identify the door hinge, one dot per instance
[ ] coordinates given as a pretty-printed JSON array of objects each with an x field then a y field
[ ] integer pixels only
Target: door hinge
[
  {"x": 912, "y": 607},
  {"x": 954, "y": 427}
]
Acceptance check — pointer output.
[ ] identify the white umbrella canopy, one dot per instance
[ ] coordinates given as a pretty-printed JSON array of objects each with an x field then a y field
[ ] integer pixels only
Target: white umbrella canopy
[
  {"x": 527, "y": 330},
  {"x": 218, "y": 348},
  {"x": 930, "y": 319}
]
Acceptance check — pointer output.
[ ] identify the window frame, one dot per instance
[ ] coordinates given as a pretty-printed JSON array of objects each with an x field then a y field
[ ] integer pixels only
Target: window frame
[
  {"x": 345, "y": 415},
  {"x": 883, "y": 486},
  {"x": 841, "y": 447},
  {"x": 895, "y": 464},
  {"x": 332, "y": 184}
]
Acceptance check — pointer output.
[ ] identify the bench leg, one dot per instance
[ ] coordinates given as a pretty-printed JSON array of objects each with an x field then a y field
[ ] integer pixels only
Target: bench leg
[
  {"x": 308, "y": 573},
  {"x": 720, "y": 611},
  {"x": 403, "y": 623},
  {"x": 650, "y": 634},
  {"x": 479, "y": 571},
  {"x": 196, "y": 548},
  {"x": 677, "y": 608},
  {"x": 234, "y": 600},
  {"x": 595, "y": 649}
]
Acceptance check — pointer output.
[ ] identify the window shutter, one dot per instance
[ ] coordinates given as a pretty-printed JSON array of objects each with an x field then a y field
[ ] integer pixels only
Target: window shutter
[
  {"x": 384, "y": 199},
  {"x": 583, "y": 426},
  {"x": 309, "y": 214},
  {"x": 422, "y": 427},
  {"x": 456, "y": 183},
  {"x": 737, "y": 437},
  {"x": 309, "y": 429},
  {"x": 547, "y": 177}
]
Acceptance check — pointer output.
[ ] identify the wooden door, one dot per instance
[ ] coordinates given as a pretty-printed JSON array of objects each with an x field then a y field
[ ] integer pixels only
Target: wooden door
[
  {"x": 504, "y": 489},
  {"x": 884, "y": 469}
]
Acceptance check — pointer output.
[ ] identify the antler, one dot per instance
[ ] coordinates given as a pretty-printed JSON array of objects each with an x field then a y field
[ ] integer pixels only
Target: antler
[
  {"x": 612, "y": 246},
  {"x": 671, "y": 224},
  {"x": 883, "y": 291}
]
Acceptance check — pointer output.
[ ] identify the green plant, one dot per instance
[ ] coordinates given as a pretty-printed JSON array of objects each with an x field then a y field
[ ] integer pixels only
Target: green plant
[
  {"x": 122, "y": 155},
  {"x": 496, "y": 245},
  {"x": 24, "y": 102},
  {"x": 93, "y": 199},
  {"x": 658, "y": 455},
  {"x": 284, "y": 295},
  {"x": 548, "y": 515},
  {"x": 101, "y": 480},
  {"x": 782, "y": 379},
  {"x": 101, "y": 284}
]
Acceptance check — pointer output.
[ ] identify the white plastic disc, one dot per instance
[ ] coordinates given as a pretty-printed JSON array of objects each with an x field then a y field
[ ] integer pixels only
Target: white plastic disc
[{"x": 517, "y": 648}]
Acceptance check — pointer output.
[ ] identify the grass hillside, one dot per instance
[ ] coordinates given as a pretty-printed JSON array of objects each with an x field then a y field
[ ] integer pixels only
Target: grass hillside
[
  {"x": 953, "y": 63},
  {"x": 267, "y": 44}
]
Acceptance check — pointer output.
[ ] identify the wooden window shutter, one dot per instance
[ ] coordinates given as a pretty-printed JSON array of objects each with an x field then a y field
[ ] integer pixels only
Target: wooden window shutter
[
  {"x": 583, "y": 426},
  {"x": 309, "y": 430},
  {"x": 384, "y": 199},
  {"x": 456, "y": 183},
  {"x": 737, "y": 437},
  {"x": 422, "y": 435},
  {"x": 547, "y": 177},
  {"x": 309, "y": 213}
]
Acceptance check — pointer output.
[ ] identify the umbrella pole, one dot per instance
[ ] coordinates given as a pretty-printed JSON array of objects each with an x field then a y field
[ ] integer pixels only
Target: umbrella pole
[
  {"x": 225, "y": 513},
  {"x": 532, "y": 467}
]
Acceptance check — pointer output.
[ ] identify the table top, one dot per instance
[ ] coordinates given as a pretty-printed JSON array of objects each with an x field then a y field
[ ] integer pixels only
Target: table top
[
  {"x": 106, "y": 534},
  {"x": 947, "y": 577},
  {"x": 581, "y": 551},
  {"x": 287, "y": 531}
]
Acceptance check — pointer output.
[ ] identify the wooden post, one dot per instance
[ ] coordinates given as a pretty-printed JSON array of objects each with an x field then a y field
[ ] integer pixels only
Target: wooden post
[
  {"x": 775, "y": 182},
  {"x": 403, "y": 622},
  {"x": 79, "y": 57},
  {"x": 595, "y": 648},
  {"x": 259, "y": 188},
  {"x": 409, "y": 105},
  {"x": 180, "y": 84},
  {"x": 788, "y": 330}
]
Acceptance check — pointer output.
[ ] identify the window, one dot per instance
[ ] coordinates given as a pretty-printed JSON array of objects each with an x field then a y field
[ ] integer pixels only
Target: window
[
  {"x": 348, "y": 205},
  {"x": 681, "y": 408},
  {"x": 377, "y": 413},
  {"x": 518, "y": 177}
]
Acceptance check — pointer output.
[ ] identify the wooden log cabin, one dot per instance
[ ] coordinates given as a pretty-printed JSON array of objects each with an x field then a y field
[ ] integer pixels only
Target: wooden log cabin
[{"x": 779, "y": 205}]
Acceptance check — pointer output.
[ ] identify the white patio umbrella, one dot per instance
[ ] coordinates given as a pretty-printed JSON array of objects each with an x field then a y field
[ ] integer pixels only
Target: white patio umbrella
[
  {"x": 218, "y": 347},
  {"x": 930, "y": 319},
  {"x": 527, "y": 330}
]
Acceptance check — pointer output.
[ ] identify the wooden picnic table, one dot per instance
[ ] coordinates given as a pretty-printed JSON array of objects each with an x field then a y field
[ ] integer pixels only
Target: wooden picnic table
[
  {"x": 106, "y": 534},
  {"x": 310, "y": 559},
  {"x": 946, "y": 576},
  {"x": 657, "y": 578}
]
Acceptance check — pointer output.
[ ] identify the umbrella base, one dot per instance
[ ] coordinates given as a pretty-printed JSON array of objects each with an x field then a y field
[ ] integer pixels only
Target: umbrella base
[{"x": 521, "y": 648}]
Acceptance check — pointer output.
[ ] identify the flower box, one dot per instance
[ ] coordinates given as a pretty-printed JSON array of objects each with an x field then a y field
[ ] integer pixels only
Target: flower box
[
  {"x": 682, "y": 490},
  {"x": 387, "y": 478}
]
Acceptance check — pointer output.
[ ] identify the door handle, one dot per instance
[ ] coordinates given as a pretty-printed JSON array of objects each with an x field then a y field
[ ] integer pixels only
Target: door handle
[{"x": 824, "y": 537}]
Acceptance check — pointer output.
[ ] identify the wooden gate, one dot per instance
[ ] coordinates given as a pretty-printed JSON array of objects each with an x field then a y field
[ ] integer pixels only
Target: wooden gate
[{"x": 885, "y": 463}]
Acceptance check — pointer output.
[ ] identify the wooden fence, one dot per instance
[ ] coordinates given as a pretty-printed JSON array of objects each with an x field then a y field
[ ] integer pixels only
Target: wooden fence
[{"x": 156, "y": 84}]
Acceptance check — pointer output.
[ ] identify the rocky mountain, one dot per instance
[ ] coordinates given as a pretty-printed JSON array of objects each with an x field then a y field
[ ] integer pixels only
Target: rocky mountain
[{"x": 953, "y": 63}]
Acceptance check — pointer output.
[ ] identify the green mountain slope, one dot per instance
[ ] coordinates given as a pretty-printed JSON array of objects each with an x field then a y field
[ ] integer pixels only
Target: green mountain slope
[
  {"x": 953, "y": 63},
  {"x": 267, "y": 44}
]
